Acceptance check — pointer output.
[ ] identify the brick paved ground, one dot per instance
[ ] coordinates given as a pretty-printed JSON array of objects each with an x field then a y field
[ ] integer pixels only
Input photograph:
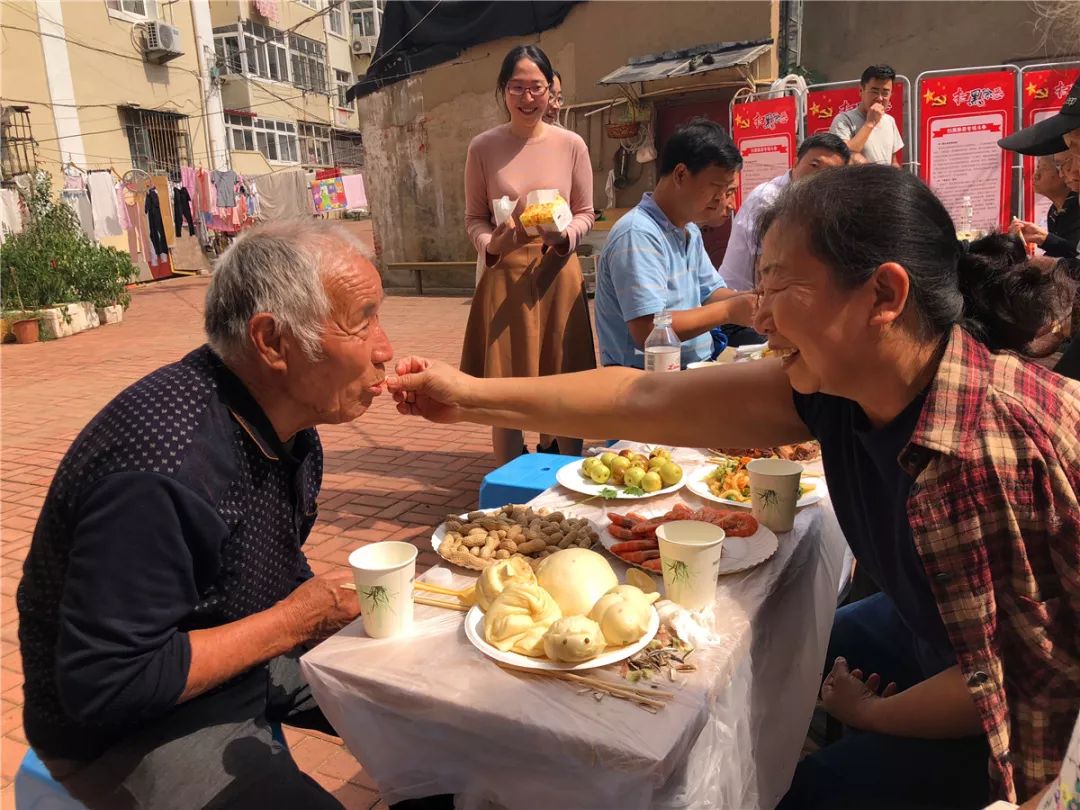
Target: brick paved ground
[{"x": 386, "y": 477}]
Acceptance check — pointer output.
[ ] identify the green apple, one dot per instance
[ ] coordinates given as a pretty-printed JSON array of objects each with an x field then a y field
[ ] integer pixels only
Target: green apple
[
  {"x": 651, "y": 482},
  {"x": 600, "y": 474},
  {"x": 608, "y": 457},
  {"x": 660, "y": 451},
  {"x": 588, "y": 464},
  {"x": 656, "y": 462},
  {"x": 633, "y": 475},
  {"x": 671, "y": 474},
  {"x": 618, "y": 469}
]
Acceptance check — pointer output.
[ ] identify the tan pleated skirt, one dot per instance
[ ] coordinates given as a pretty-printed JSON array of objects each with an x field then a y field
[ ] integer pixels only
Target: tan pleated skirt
[{"x": 529, "y": 317}]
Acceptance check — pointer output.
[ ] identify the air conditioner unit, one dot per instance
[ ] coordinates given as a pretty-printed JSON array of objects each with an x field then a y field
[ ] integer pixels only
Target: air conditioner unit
[
  {"x": 363, "y": 46},
  {"x": 162, "y": 42}
]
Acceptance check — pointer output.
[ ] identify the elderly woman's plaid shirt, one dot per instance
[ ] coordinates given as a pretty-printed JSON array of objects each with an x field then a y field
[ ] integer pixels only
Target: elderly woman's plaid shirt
[{"x": 996, "y": 519}]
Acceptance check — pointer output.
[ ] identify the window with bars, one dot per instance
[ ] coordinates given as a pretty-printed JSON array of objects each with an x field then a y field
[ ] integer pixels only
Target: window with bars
[
  {"x": 159, "y": 142},
  {"x": 16, "y": 142},
  {"x": 308, "y": 62},
  {"x": 315, "y": 145},
  {"x": 348, "y": 149},
  {"x": 276, "y": 140},
  {"x": 342, "y": 82}
]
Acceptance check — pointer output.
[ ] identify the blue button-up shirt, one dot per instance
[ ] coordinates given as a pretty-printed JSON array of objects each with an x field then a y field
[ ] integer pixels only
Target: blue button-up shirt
[{"x": 648, "y": 265}]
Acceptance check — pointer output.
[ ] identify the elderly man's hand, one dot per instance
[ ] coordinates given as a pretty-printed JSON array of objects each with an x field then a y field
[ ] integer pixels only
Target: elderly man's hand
[
  {"x": 850, "y": 699},
  {"x": 428, "y": 388},
  {"x": 321, "y": 606}
]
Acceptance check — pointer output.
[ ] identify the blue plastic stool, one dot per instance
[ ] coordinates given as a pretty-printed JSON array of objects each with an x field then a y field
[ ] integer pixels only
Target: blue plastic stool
[
  {"x": 35, "y": 788},
  {"x": 522, "y": 479}
]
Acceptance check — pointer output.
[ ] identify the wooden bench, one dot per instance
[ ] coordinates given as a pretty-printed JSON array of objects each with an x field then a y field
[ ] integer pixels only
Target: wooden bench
[{"x": 419, "y": 268}]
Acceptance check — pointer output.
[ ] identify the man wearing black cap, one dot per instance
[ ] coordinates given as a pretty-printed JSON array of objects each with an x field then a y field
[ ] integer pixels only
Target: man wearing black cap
[
  {"x": 1061, "y": 237},
  {"x": 1058, "y": 133},
  {"x": 1051, "y": 135}
]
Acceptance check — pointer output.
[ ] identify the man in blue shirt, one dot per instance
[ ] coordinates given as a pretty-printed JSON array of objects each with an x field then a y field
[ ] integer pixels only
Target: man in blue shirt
[{"x": 655, "y": 259}]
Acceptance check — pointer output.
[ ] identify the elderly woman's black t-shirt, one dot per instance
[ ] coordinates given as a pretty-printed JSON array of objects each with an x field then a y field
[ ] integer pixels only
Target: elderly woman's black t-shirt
[{"x": 869, "y": 491}]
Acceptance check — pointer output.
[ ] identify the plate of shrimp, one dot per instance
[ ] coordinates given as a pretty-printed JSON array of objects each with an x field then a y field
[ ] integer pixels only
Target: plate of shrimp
[{"x": 631, "y": 537}]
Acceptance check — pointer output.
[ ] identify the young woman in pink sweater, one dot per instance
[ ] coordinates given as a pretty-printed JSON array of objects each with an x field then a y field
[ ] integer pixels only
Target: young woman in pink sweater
[{"x": 529, "y": 315}]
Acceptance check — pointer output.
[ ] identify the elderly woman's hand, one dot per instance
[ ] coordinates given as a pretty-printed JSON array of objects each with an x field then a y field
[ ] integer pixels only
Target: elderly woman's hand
[
  {"x": 428, "y": 388},
  {"x": 849, "y": 698}
]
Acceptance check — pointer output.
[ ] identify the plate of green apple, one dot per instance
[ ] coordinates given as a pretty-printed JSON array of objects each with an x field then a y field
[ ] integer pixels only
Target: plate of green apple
[{"x": 624, "y": 475}]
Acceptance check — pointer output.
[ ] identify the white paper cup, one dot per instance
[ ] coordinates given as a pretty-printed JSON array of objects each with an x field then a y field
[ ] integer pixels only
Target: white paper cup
[
  {"x": 690, "y": 559},
  {"x": 384, "y": 573},
  {"x": 774, "y": 491}
]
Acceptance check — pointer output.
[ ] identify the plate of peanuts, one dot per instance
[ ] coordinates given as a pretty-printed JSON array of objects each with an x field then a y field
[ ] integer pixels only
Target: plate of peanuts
[
  {"x": 631, "y": 537},
  {"x": 477, "y": 539}
]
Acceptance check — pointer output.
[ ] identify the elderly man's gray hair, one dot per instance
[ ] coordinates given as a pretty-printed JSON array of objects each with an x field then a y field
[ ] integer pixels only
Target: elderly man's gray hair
[{"x": 279, "y": 268}]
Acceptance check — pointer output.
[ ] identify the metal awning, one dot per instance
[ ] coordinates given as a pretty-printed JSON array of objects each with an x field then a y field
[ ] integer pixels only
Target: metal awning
[{"x": 688, "y": 62}]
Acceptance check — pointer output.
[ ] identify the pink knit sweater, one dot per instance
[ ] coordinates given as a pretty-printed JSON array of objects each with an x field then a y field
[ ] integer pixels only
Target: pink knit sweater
[{"x": 500, "y": 163}]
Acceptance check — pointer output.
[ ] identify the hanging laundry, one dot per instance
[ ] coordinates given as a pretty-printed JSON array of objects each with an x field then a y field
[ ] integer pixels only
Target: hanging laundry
[
  {"x": 268, "y": 8},
  {"x": 355, "y": 193},
  {"x": 152, "y": 208},
  {"x": 78, "y": 202},
  {"x": 187, "y": 179},
  {"x": 103, "y": 205},
  {"x": 284, "y": 195},
  {"x": 225, "y": 183},
  {"x": 11, "y": 219},
  {"x": 182, "y": 210},
  {"x": 121, "y": 209}
]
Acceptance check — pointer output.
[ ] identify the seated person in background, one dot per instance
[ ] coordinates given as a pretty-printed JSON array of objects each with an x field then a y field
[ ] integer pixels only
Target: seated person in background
[
  {"x": 1061, "y": 238},
  {"x": 166, "y": 598},
  {"x": 815, "y": 153},
  {"x": 868, "y": 130},
  {"x": 655, "y": 260}
]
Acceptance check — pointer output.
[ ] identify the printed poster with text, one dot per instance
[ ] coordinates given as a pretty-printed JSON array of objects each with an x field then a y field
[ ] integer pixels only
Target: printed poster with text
[
  {"x": 1043, "y": 93},
  {"x": 765, "y": 132},
  {"x": 961, "y": 118},
  {"x": 822, "y": 106}
]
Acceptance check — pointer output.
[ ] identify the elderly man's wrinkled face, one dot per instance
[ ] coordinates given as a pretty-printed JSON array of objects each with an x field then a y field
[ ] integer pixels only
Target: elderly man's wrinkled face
[{"x": 341, "y": 384}]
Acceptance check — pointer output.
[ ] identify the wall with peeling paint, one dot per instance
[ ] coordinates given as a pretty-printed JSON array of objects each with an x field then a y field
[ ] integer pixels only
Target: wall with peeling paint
[{"x": 416, "y": 132}]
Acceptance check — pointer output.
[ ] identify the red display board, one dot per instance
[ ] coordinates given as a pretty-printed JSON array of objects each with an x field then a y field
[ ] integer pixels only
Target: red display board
[
  {"x": 765, "y": 132},
  {"x": 1042, "y": 94},
  {"x": 822, "y": 106},
  {"x": 961, "y": 117}
]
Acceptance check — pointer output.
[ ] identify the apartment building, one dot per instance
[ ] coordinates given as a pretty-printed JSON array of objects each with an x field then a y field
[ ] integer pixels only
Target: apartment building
[
  {"x": 251, "y": 85},
  {"x": 284, "y": 67}
]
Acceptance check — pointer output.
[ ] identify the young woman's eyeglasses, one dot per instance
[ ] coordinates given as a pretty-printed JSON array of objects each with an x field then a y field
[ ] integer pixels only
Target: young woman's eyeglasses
[{"x": 534, "y": 90}]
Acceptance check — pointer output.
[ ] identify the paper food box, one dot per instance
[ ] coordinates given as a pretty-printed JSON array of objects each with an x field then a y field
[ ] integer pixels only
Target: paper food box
[
  {"x": 545, "y": 210},
  {"x": 502, "y": 208}
]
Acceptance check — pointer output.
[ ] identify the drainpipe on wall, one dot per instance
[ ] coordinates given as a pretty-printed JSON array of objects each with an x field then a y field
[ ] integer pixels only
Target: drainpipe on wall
[{"x": 217, "y": 140}]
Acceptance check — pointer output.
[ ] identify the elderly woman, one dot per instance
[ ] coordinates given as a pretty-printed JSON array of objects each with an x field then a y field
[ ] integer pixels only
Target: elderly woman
[
  {"x": 166, "y": 596},
  {"x": 954, "y": 468}
]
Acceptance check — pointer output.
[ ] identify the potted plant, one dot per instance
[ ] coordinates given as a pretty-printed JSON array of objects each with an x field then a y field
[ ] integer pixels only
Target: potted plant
[{"x": 26, "y": 329}]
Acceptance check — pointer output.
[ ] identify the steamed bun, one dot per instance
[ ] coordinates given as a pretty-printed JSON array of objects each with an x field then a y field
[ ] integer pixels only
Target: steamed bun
[
  {"x": 576, "y": 578},
  {"x": 498, "y": 575},
  {"x": 624, "y": 614},
  {"x": 573, "y": 639},
  {"x": 519, "y": 617}
]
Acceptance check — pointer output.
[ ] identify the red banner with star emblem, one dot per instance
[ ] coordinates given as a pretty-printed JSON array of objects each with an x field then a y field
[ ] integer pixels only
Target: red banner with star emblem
[
  {"x": 765, "y": 131},
  {"x": 822, "y": 107},
  {"x": 1042, "y": 94},
  {"x": 961, "y": 118}
]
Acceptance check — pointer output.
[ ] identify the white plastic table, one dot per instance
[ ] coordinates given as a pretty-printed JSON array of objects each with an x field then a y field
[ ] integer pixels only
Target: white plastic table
[{"x": 429, "y": 714}]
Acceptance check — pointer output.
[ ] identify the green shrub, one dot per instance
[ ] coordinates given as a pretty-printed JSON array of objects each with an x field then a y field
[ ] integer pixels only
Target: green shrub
[{"x": 53, "y": 262}]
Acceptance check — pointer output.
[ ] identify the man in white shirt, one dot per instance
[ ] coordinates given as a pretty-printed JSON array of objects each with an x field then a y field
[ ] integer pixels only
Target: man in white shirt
[
  {"x": 817, "y": 152},
  {"x": 868, "y": 129}
]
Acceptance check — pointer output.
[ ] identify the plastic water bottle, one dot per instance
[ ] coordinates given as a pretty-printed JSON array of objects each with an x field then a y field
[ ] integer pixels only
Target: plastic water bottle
[{"x": 663, "y": 351}]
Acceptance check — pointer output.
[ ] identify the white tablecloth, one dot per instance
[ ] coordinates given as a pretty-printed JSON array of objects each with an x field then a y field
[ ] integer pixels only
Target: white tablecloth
[{"x": 430, "y": 714}]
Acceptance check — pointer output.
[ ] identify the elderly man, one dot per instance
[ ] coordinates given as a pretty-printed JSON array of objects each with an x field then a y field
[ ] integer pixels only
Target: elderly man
[
  {"x": 165, "y": 597},
  {"x": 1061, "y": 237},
  {"x": 1057, "y": 135}
]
